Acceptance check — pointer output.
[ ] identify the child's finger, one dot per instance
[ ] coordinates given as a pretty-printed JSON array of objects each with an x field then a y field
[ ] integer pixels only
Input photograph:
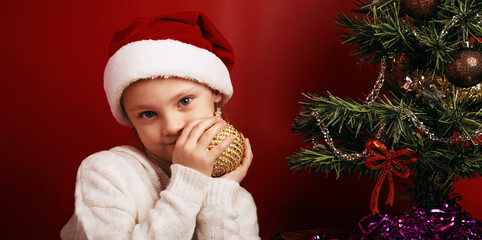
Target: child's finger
[
  {"x": 248, "y": 154},
  {"x": 200, "y": 128},
  {"x": 186, "y": 131},
  {"x": 216, "y": 151},
  {"x": 207, "y": 137}
]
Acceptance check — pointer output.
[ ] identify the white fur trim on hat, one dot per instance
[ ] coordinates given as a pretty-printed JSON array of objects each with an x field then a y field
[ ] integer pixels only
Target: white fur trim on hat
[{"x": 162, "y": 58}]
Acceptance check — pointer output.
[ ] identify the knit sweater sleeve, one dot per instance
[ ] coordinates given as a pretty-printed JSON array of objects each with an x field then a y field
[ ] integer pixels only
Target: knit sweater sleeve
[
  {"x": 228, "y": 212},
  {"x": 105, "y": 206}
]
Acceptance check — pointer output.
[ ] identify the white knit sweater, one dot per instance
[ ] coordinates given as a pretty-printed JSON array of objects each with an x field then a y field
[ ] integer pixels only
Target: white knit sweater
[{"x": 121, "y": 194}]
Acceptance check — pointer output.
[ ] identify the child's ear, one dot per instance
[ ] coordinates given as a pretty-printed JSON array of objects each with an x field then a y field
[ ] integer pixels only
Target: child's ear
[{"x": 217, "y": 96}]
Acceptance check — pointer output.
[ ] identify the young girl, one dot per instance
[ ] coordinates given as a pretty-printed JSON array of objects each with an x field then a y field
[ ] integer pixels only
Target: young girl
[{"x": 166, "y": 76}]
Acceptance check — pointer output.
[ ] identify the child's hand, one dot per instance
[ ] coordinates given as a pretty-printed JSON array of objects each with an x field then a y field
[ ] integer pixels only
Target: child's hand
[
  {"x": 240, "y": 172},
  {"x": 191, "y": 148}
]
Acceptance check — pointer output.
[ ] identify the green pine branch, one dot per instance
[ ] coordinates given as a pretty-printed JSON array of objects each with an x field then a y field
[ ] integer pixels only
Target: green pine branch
[
  {"x": 376, "y": 30},
  {"x": 380, "y": 29},
  {"x": 352, "y": 123}
]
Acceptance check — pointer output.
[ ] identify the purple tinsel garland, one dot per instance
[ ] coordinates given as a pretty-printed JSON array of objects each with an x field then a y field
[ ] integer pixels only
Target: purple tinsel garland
[{"x": 448, "y": 222}]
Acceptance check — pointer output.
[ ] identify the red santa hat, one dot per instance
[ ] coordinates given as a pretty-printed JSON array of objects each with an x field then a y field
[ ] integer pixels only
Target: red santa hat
[{"x": 181, "y": 44}]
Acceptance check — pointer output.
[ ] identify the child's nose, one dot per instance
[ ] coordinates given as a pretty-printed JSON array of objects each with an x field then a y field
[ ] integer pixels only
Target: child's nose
[{"x": 172, "y": 125}]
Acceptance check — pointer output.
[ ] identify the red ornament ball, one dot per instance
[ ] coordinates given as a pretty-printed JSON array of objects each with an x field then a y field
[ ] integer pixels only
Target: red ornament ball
[
  {"x": 419, "y": 9},
  {"x": 466, "y": 69}
]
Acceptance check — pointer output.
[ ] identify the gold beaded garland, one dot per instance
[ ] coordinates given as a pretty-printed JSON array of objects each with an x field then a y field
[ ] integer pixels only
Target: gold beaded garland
[
  {"x": 422, "y": 80},
  {"x": 232, "y": 156}
]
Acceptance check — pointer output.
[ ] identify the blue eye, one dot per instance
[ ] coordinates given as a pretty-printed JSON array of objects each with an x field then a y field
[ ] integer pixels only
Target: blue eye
[
  {"x": 185, "y": 101},
  {"x": 147, "y": 114}
]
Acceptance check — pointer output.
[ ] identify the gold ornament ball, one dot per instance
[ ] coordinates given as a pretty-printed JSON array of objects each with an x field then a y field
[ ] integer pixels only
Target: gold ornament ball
[
  {"x": 232, "y": 156},
  {"x": 466, "y": 69}
]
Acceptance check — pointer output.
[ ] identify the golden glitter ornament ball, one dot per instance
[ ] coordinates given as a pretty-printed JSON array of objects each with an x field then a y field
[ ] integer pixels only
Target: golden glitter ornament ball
[{"x": 232, "y": 156}]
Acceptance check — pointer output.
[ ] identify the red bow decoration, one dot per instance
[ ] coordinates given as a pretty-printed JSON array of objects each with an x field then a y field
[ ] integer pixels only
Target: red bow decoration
[{"x": 381, "y": 157}]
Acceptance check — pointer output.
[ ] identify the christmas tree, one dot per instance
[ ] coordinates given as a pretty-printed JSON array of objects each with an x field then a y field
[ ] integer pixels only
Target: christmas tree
[{"x": 423, "y": 119}]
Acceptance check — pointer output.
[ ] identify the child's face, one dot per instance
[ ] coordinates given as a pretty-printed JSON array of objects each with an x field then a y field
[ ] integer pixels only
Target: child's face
[{"x": 160, "y": 108}]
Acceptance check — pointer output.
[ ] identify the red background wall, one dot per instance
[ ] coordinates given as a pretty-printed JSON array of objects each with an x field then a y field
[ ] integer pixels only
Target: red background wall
[{"x": 54, "y": 113}]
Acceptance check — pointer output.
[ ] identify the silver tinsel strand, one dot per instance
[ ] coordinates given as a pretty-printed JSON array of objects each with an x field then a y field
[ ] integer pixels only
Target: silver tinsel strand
[
  {"x": 379, "y": 84},
  {"x": 420, "y": 126},
  {"x": 373, "y": 96},
  {"x": 329, "y": 141}
]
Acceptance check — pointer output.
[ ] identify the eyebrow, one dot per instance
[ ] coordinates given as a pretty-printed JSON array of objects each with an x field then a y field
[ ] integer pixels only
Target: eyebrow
[{"x": 182, "y": 93}]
